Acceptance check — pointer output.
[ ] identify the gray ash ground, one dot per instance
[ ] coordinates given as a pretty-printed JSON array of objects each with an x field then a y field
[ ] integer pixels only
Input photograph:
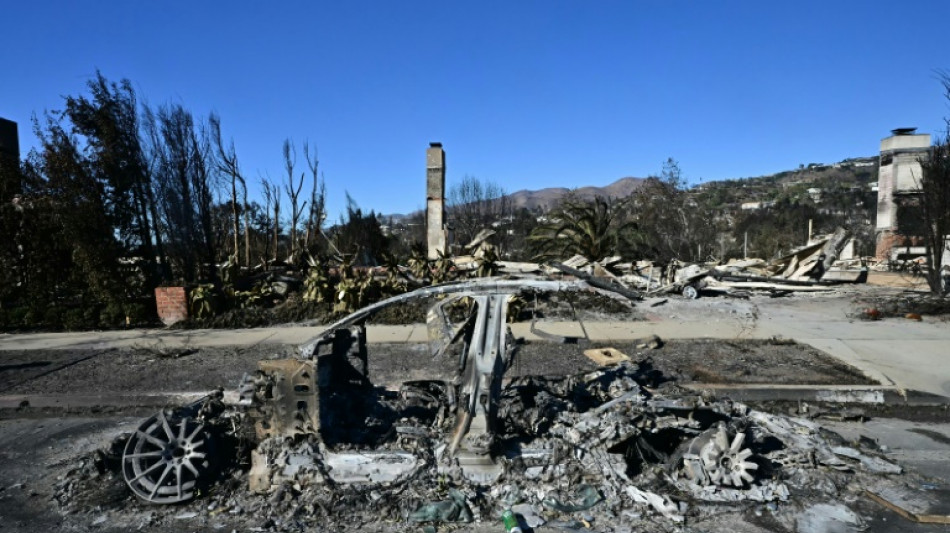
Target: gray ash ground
[
  {"x": 59, "y": 478},
  {"x": 206, "y": 368},
  {"x": 86, "y": 488},
  {"x": 686, "y": 361},
  {"x": 753, "y": 361},
  {"x": 130, "y": 370}
]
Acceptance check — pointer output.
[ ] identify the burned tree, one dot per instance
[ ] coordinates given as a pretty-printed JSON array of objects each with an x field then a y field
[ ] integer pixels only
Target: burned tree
[
  {"x": 923, "y": 212},
  {"x": 933, "y": 205},
  {"x": 359, "y": 236},
  {"x": 318, "y": 194},
  {"x": 293, "y": 189},
  {"x": 226, "y": 162},
  {"x": 109, "y": 124},
  {"x": 272, "y": 201},
  {"x": 76, "y": 195},
  {"x": 475, "y": 204},
  {"x": 673, "y": 223},
  {"x": 184, "y": 184}
]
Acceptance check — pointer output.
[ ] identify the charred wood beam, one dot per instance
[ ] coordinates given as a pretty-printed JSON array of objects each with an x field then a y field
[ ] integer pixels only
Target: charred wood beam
[{"x": 598, "y": 282}]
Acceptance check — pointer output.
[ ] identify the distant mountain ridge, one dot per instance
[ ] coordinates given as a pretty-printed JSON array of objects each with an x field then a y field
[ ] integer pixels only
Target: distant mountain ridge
[
  {"x": 855, "y": 170},
  {"x": 549, "y": 197}
]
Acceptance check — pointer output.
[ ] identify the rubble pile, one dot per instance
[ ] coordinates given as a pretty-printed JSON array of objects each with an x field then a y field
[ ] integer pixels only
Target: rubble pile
[
  {"x": 313, "y": 443},
  {"x": 810, "y": 268},
  {"x": 595, "y": 447}
]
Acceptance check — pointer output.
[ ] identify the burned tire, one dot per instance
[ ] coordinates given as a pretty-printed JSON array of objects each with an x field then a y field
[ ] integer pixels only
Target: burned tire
[
  {"x": 690, "y": 292},
  {"x": 166, "y": 461}
]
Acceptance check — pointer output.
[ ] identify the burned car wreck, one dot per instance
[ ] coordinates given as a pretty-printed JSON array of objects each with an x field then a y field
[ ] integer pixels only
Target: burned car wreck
[{"x": 606, "y": 447}]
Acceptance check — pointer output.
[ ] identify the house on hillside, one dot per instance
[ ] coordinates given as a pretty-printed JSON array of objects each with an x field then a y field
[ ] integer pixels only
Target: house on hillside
[{"x": 754, "y": 206}]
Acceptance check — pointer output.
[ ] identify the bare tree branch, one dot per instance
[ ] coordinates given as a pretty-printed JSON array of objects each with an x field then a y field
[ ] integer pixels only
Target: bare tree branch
[
  {"x": 227, "y": 163},
  {"x": 317, "y": 196},
  {"x": 293, "y": 192}
]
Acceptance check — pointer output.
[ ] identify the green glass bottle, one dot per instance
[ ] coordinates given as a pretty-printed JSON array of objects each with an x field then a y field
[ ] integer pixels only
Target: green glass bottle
[{"x": 511, "y": 523}]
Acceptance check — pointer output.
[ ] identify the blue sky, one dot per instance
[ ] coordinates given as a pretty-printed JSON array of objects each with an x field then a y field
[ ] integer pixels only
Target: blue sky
[{"x": 525, "y": 94}]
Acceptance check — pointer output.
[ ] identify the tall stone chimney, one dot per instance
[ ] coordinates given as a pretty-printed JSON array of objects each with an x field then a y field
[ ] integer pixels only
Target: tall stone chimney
[
  {"x": 9, "y": 140},
  {"x": 898, "y": 175},
  {"x": 9, "y": 160},
  {"x": 436, "y": 234}
]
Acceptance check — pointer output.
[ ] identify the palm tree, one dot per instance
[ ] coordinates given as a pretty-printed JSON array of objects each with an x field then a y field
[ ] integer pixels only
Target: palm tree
[{"x": 594, "y": 229}]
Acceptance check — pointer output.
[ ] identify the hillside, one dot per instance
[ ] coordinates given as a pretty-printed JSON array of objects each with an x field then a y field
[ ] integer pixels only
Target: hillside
[
  {"x": 545, "y": 199},
  {"x": 854, "y": 174}
]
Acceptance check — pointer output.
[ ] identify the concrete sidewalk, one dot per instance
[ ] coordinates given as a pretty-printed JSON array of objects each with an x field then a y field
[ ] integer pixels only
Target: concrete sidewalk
[
  {"x": 908, "y": 354},
  {"x": 601, "y": 331}
]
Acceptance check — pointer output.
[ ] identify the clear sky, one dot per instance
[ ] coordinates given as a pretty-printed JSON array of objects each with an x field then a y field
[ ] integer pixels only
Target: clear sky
[{"x": 525, "y": 94}]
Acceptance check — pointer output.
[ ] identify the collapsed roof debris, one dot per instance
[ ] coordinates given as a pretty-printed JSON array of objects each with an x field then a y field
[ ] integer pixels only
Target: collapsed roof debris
[
  {"x": 810, "y": 268},
  {"x": 602, "y": 449}
]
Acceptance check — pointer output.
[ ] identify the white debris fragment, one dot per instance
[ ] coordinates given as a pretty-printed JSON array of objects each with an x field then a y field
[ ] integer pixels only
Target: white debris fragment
[
  {"x": 662, "y": 504},
  {"x": 829, "y": 518},
  {"x": 531, "y": 517},
  {"x": 871, "y": 464}
]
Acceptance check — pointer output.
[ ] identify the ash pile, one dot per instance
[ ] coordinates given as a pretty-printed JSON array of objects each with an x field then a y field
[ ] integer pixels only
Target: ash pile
[
  {"x": 603, "y": 450},
  {"x": 590, "y": 451}
]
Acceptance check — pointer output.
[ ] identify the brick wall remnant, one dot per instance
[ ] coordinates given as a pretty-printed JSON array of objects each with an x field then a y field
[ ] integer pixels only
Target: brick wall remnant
[{"x": 172, "y": 303}]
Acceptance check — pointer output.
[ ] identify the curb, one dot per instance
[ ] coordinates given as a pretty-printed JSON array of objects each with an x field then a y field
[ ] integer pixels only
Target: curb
[
  {"x": 74, "y": 401},
  {"x": 863, "y": 394}
]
